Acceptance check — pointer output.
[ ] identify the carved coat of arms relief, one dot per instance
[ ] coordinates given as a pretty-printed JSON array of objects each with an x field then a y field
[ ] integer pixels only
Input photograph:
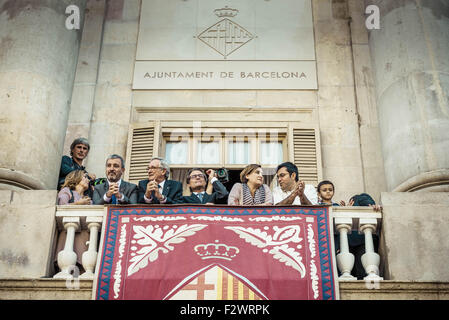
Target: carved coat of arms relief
[{"x": 225, "y": 36}]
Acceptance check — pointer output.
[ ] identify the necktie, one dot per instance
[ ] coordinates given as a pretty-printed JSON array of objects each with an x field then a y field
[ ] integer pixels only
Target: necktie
[
  {"x": 114, "y": 199},
  {"x": 200, "y": 196},
  {"x": 153, "y": 196}
]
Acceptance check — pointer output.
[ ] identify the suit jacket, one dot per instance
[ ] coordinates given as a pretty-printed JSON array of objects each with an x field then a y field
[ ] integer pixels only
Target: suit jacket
[
  {"x": 129, "y": 191},
  {"x": 172, "y": 191},
  {"x": 219, "y": 192}
]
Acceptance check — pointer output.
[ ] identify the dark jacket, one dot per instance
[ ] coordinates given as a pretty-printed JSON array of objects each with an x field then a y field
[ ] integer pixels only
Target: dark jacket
[
  {"x": 172, "y": 191},
  {"x": 219, "y": 192},
  {"x": 67, "y": 166},
  {"x": 129, "y": 191}
]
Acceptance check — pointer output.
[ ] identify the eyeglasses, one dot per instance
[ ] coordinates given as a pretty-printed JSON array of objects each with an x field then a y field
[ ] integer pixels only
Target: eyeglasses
[
  {"x": 153, "y": 168},
  {"x": 194, "y": 176}
]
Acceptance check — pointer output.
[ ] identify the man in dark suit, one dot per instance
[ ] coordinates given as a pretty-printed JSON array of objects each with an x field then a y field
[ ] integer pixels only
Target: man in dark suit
[
  {"x": 115, "y": 190},
  {"x": 197, "y": 181},
  {"x": 157, "y": 189}
]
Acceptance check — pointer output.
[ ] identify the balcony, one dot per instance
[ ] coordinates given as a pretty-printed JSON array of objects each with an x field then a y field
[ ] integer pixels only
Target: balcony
[
  {"x": 70, "y": 284},
  {"x": 72, "y": 219}
]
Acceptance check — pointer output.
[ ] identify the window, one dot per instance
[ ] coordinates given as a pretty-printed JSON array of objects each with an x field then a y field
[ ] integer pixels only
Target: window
[
  {"x": 233, "y": 150},
  {"x": 218, "y": 147},
  {"x": 176, "y": 152},
  {"x": 238, "y": 152},
  {"x": 271, "y": 152},
  {"x": 208, "y": 152}
]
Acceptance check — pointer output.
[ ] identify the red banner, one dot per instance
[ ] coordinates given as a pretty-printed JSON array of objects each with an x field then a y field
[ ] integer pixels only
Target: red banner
[{"x": 201, "y": 252}]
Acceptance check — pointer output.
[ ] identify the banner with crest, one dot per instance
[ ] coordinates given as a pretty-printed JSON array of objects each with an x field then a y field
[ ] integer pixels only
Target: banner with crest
[{"x": 201, "y": 252}]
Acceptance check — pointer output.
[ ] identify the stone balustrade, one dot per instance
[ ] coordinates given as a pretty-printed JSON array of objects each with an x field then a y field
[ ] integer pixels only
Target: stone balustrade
[
  {"x": 346, "y": 220},
  {"x": 73, "y": 219},
  {"x": 363, "y": 220}
]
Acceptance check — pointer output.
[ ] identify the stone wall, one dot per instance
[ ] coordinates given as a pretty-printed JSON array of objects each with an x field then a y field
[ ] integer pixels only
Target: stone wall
[
  {"x": 38, "y": 56},
  {"x": 410, "y": 59},
  {"x": 49, "y": 289},
  {"x": 343, "y": 107},
  {"x": 27, "y": 229},
  {"x": 415, "y": 241}
]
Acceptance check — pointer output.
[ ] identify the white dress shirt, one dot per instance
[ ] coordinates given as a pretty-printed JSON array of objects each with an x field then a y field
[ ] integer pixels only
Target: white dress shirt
[{"x": 309, "y": 192}]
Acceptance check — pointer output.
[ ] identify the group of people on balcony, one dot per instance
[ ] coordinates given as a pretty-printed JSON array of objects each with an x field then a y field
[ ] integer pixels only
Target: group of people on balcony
[{"x": 79, "y": 187}]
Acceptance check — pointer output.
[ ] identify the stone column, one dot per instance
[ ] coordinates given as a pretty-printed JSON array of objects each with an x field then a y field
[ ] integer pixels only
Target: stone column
[
  {"x": 38, "y": 56},
  {"x": 410, "y": 55}
]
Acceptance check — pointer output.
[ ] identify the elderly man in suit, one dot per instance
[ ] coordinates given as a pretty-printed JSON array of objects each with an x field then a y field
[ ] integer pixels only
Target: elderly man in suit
[
  {"x": 115, "y": 190},
  {"x": 157, "y": 189},
  {"x": 197, "y": 181}
]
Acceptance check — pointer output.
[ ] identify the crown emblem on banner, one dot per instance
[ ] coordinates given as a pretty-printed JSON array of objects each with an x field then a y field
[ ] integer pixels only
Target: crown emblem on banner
[
  {"x": 216, "y": 250},
  {"x": 226, "y": 12}
]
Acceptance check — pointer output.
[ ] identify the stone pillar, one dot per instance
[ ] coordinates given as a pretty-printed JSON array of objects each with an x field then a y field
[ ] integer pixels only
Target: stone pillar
[
  {"x": 38, "y": 56},
  {"x": 410, "y": 55},
  {"x": 111, "y": 112}
]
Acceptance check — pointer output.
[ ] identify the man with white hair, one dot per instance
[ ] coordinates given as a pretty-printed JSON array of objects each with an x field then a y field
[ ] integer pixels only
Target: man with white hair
[{"x": 157, "y": 189}]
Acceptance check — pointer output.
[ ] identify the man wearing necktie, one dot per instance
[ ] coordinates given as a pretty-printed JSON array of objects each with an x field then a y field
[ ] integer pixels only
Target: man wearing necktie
[
  {"x": 157, "y": 189},
  {"x": 115, "y": 190},
  {"x": 197, "y": 181}
]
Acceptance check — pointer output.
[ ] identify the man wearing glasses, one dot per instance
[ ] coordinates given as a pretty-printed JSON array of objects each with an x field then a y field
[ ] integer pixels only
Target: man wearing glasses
[
  {"x": 291, "y": 190},
  {"x": 157, "y": 189},
  {"x": 197, "y": 181}
]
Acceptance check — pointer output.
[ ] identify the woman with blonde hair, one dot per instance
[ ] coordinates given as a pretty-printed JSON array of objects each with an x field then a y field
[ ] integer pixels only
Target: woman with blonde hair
[
  {"x": 252, "y": 191},
  {"x": 72, "y": 191}
]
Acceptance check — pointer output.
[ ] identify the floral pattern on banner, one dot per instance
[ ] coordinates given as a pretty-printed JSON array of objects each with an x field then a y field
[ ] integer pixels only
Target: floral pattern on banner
[
  {"x": 155, "y": 239},
  {"x": 157, "y": 252}
]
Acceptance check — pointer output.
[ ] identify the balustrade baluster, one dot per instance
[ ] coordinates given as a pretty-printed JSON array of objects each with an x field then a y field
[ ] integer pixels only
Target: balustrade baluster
[
  {"x": 345, "y": 259},
  {"x": 89, "y": 257},
  {"x": 370, "y": 260},
  {"x": 67, "y": 257}
]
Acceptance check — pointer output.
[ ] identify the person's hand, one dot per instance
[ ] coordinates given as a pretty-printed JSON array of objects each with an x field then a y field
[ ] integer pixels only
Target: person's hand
[
  {"x": 209, "y": 203},
  {"x": 113, "y": 189},
  {"x": 153, "y": 186},
  {"x": 84, "y": 200},
  {"x": 299, "y": 189},
  {"x": 210, "y": 173},
  {"x": 92, "y": 176},
  {"x": 376, "y": 207},
  {"x": 343, "y": 203}
]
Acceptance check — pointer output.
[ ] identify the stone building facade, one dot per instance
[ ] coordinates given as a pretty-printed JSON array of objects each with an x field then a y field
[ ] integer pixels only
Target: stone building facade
[{"x": 377, "y": 117}]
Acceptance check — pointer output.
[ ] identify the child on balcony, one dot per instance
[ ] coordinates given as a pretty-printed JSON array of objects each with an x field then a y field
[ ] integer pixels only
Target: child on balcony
[{"x": 325, "y": 190}]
